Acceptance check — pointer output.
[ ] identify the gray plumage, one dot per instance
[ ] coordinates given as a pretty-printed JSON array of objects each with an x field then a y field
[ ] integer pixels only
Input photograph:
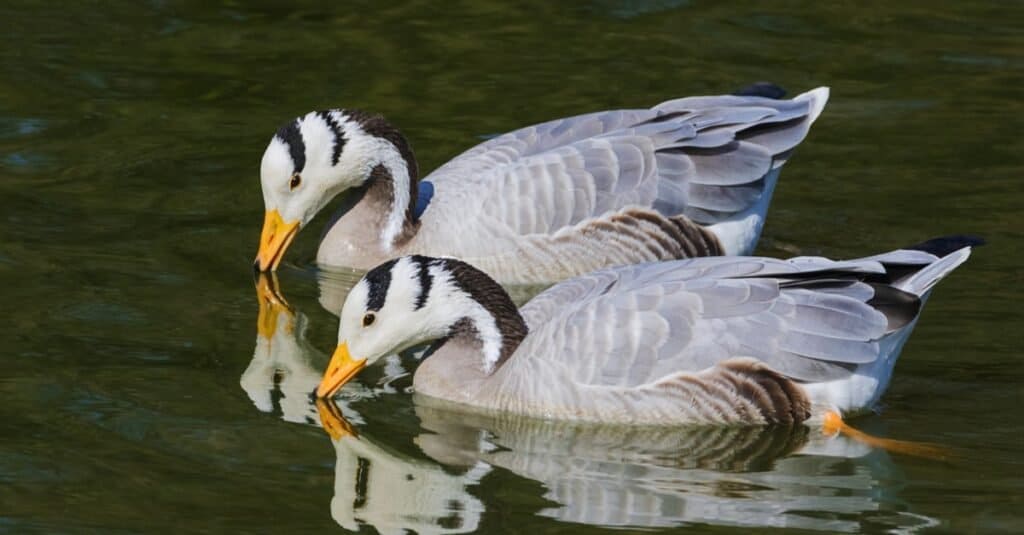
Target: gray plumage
[
  {"x": 688, "y": 177},
  {"x": 703, "y": 340}
]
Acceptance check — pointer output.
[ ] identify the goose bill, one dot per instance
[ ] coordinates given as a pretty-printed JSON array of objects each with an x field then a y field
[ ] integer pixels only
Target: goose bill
[
  {"x": 274, "y": 240},
  {"x": 340, "y": 370}
]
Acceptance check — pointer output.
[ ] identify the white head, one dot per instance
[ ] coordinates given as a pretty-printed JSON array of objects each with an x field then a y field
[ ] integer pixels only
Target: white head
[
  {"x": 313, "y": 158},
  {"x": 413, "y": 300}
]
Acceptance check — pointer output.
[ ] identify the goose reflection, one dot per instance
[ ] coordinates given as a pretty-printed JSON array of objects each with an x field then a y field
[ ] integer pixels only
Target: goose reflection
[
  {"x": 285, "y": 368},
  {"x": 394, "y": 493},
  {"x": 616, "y": 475},
  {"x": 334, "y": 285},
  {"x": 655, "y": 477}
]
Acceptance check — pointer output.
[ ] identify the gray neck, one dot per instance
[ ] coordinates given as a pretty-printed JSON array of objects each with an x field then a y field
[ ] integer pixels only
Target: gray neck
[
  {"x": 392, "y": 183},
  {"x": 366, "y": 217},
  {"x": 392, "y": 192}
]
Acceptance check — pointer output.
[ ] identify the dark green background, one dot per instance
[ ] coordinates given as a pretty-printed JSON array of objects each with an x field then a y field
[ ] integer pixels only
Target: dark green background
[{"x": 130, "y": 140}]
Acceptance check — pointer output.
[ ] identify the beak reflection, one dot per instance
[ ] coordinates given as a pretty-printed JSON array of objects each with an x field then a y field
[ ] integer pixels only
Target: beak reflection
[
  {"x": 272, "y": 306},
  {"x": 335, "y": 424}
]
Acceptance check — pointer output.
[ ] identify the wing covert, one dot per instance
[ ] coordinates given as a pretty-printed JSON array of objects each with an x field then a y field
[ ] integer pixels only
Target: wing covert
[
  {"x": 703, "y": 157},
  {"x": 632, "y": 326}
]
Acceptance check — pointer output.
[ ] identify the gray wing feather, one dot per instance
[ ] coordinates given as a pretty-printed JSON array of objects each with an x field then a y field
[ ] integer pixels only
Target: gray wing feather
[
  {"x": 904, "y": 256},
  {"x": 704, "y": 157},
  {"x": 740, "y": 115},
  {"x": 632, "y": 326}
]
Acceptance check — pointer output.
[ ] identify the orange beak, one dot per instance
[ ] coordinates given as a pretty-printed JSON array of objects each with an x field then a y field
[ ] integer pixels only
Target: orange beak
[
  {"x": 274, "y": 240},
  {"x": 340, "y": 370}
]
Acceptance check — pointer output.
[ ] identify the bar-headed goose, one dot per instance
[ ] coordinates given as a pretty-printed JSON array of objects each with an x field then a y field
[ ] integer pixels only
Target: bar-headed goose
[
  {"x": 712, "y": 340},
  {"x": 689, "y": 177}
]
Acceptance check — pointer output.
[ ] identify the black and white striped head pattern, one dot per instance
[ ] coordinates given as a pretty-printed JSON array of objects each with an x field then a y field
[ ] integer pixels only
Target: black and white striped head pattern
[
  {"x": 416, "y": 299},
  {"x": 313, "y": 158}
]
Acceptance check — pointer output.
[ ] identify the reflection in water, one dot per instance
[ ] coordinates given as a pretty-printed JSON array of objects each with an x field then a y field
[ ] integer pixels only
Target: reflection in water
[
  {"x": 615, "y": 475},
  {"x": 335, "y": 284},
  {"x": 593, "y": 474},
  {"x": 282, "y": 374},
  {"x": 650, "y": 477},
  {"x": 394, "y": 493}
]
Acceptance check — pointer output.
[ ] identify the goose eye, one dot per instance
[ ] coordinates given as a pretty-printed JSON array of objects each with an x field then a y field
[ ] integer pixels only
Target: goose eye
[
  {"x": 368, "y": 319},
  {"x": 295, "y": 181}
]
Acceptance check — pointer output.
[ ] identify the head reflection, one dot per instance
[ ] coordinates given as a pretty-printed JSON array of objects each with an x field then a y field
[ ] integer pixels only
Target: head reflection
[
  {"x": 285, "y": 367},
  {"x": 394, "y": 493},
  {"x": 280, "y": 375}
]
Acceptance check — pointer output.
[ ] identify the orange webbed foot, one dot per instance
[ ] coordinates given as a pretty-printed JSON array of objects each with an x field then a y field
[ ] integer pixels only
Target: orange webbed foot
[{"x": 833, "y": 423}]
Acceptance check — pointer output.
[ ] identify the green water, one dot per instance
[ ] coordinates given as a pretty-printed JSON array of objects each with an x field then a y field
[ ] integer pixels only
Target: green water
[{"x": 136, "y": 396}]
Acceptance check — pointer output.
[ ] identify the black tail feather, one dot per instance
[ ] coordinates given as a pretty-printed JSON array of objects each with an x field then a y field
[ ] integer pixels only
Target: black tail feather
[
  {"x": 944, "y": 245},
  {"x": 762, "y": 89},
  {"x": 900, "y": 307}
]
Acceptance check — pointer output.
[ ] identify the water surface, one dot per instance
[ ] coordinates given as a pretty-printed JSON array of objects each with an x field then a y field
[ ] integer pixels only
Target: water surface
[{"x": 139, "y": 397}]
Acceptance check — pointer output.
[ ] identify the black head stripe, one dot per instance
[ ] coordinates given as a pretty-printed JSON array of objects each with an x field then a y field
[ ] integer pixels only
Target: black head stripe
[
  {"x": 426, "y": 279},
  {"x": 339, "y": 134},
  {"x": 379, "y": 280},
  {"x": 292, "y": 136},
  {"x": 375, "y": 125},
  {"x": 493, "y": 298}
]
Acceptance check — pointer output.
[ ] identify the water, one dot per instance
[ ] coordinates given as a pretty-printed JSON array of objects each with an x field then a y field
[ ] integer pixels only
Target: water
[{"x": 137, "y": 396}]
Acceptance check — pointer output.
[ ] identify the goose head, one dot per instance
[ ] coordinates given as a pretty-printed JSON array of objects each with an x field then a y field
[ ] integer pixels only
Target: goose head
[
  {"x": 413, "y": 300},
  {"x": 313, "y": 158}
]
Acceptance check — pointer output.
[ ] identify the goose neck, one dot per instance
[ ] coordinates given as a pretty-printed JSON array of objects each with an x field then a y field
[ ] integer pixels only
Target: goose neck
[{"x": 486, "y": 314}]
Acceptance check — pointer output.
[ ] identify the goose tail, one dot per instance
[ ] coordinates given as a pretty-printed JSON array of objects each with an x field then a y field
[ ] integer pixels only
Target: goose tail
[
  {"x": 778, "y": 134},
  {"x": 951, "y": 250},
  {"x": 818, "y": 98}
]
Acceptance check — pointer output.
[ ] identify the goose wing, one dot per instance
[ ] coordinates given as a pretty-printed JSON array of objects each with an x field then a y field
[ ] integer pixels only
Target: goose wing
[
  {"x": 703, "y": 157},
  {"x": 809, "y": 319}
]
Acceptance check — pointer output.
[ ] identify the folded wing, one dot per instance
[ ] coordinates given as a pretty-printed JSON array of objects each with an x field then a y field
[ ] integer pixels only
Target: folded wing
[
  {"x": 809, "y": 319},
  {"x": 703, "y": 157}
]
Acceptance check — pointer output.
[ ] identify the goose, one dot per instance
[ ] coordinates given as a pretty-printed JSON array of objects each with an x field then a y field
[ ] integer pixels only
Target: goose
[
  {"x": 688, "y": 177},
  {"x": 715, "y": 340}
]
